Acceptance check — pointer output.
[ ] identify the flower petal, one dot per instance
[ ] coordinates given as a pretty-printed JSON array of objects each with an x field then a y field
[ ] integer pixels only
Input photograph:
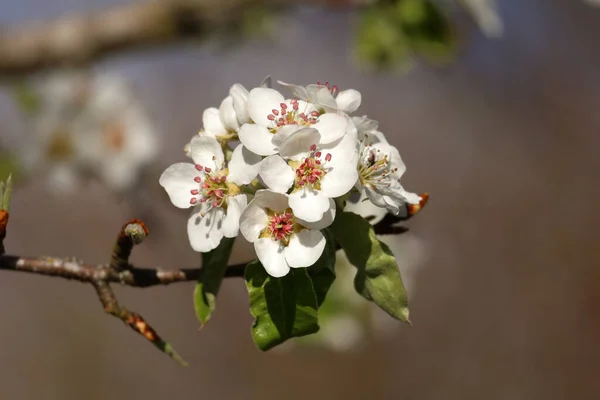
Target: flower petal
[
  {"x": 308, "y": 204},
  {"x": 320, "y": 96},
  {"x": 331, "y": 127},
  {"x": 243, "y": 167},
  {"x": 366, "y": 208},
  {"x": 261, "y": 102},
  {"x": 364, "y": 124},
  {"x": 339, "y": 181},
  {"x": 348, "y": 100},
  {"x": 285, "y": 132},
  {"x": 205, "y": 232},
  {"x": 298, "y": 144},
  {"x": 231, "y": 221},
  {"x": 228, "y": 115},
  {"x": 239, "y": 94},
  {"x": 298, "y": 91},
  {"x": 252, "y": 221},
  {"x": 207, "y": 152},
  {"x": 271, "y": 255},
  {"x": 257, "y": 139},
  {"x": 344, "y": 153},
  {"x": 266, "y": 83},
  {"x": 324, "y": 222},
  {"x": 380, "y": 200},
  {"x": 212, "y": 122},
  {"x": 276, "y": 174},
  {"x": 277, "y": 202},
  {"x": 305, "y": 248},
  {"x": 178, "y": 181}
]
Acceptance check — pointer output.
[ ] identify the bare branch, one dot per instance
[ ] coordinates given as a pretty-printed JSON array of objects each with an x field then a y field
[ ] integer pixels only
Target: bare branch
[
  {"x": 120, "y": 271},
  {"x": 79, "y": 38}
]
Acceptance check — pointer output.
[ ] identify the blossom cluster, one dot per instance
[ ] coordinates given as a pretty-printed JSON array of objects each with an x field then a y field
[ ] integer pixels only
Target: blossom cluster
[
  {"x": 89, "y": 125},
  {"x": 272, "y": 168}
]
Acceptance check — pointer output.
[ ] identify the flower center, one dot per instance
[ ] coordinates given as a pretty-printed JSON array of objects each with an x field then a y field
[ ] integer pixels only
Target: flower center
[
  {"x": 285, "y": 116},
  {"x": 213, "y": 189},
  {"x": 312, "y": 169},
  {"x": 280, "y": 226},
  {"x": 374, "y": 166}
]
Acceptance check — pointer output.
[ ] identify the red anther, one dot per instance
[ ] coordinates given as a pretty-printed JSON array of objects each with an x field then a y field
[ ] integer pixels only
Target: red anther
[
  {"x": 313, "y": 147},
  {"x": 271, "y": 117},
  {"x": 207, "y": 169},
  {"x": 275, "y": 112},
  {"x": 198, "y": 167},
  {"x": 197, "y": 179},
  {"x": 194, "y": 191},
  {"x": 194, "y": 200},
  {"x": 328, "y": 157},
  {"x": 318, "y": 154}
]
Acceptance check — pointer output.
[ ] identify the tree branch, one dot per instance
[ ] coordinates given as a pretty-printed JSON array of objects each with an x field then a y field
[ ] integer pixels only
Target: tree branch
[
  {"x": 79, "y": 38},
  {"x": 120, "y": 271}
]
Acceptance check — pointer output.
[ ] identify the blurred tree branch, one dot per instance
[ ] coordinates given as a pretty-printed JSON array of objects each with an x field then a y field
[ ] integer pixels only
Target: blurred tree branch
[{"x": 80, "y": 38}]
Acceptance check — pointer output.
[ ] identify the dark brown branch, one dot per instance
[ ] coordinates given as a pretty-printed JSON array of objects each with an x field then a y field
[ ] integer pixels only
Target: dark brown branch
[
  {"x": 120, "y": 271},
  {"x": 77, "y": 39}
]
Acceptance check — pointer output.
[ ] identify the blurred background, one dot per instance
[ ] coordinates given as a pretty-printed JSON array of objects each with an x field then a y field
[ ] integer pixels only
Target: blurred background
[{"x": 501, "y": 267}]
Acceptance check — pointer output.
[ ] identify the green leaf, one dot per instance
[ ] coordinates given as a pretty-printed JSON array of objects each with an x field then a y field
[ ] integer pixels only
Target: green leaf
[
  {"x": 322, "y": 273},
  {"x": 214, "y": 264},
  {"x": 283, "y": 307},
  {"x": 378, "y": 278}
]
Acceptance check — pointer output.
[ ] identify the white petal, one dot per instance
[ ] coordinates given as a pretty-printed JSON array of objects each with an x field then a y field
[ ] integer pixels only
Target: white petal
[
  {"x": 266, "y": 83},
  {"x": 271, "y": 255},
  {"x": 398, "y": 194},
  {"x": 228, "y": 115},
  {"x": 285, "y": 132},
  {"x": 212, "y": 122},
  {"x": 324, "y": 222},
  {"x": 261, "y": 102},
  {"x": 298, "y": 91},
  {"x": 205, "y": 233},
  {"x": 243, "y": 167},
  {"x": 344, "y": 153},
  {"x": 365, "y": 208},
  {"x": 257, "y": 139},
  {"x": 178, "y": 181},
  {"x": 308, "y": 204},
  {"x": 321, "y": 97},
  {"x": 339, "y": 181},
  {"x": 252, "y": 221},
  {"x": 298, "y": 145},
  {"x": 305, "y": 248},
  {"x": 207, "y": 152},
  {"x": 364, "y": 124},
  {"x": 276, "y": 174},
  {"x": 380, "y": 201},
  {"x": 348, "y": 100},
  {"x": 331, "y": 127},
  {"x": 277, "y": 202},
  {"x": 231, "y": 221},
  {"x": 239, "y": 94}
]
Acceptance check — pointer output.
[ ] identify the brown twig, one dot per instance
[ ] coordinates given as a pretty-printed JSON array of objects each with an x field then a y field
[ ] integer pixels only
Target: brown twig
[
  {"x": 119, "y": 271},
  {"x": 79, "y": 38}
]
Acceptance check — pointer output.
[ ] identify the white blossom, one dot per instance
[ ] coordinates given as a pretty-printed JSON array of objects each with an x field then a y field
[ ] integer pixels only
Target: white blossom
[
  {"x": 314, "y": 173},
  {"x": 327, "y": 97},
  {"x": 281, "y": 239},
  {"x": 114, "y": 136},
  {"x": 277, "y": 119},
  {"x": 212, "y": 189}
]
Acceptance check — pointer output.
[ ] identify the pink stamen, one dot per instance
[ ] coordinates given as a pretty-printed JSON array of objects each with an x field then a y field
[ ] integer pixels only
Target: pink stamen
[{"x": 194, "y": 200}]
